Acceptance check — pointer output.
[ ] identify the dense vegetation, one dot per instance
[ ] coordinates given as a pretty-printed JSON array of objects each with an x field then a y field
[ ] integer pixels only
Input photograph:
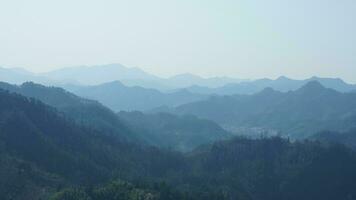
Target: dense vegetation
[
  {"x": 348, "y": 138},
  {"x": 251, "y": 169}
]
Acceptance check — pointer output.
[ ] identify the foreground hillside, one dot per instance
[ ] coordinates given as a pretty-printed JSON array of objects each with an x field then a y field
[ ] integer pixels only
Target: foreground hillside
[
  {"x": 82, "y": 111},
  {"x": 51, "y": 146},
  {"x": 347, "y": 138}
]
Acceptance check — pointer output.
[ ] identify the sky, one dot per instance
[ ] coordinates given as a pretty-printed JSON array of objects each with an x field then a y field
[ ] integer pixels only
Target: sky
[{"x": 237, "y": 38}]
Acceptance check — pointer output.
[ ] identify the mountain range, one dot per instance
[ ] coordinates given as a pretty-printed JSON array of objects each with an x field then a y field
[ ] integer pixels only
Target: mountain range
[
  {"x": 297, "y": 114},
  {"x": 130, "y": 76},
  {"x": 99, "y": 74},
  {"x": 46, "y": 156},
  {"x": 118, "y": 97},
  {"x": 282, "y": 84},
  {"x": 161, "y": 130}
]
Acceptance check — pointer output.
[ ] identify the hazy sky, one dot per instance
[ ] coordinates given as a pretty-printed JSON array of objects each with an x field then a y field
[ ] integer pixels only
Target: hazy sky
[{"x": 238, "y": 38}]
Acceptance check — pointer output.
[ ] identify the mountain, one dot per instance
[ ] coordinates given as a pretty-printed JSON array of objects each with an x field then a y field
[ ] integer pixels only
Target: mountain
[
  {"x": 93, "y": 75},
  {"x": 19, "y": 75},
  {"x": 47, "y": 156},
  {"x": 99, "y": 74},
  {"x": 297, "y": 114},
  {"x": 131, "y": 76},
  {"x": 189, "y": 80},
  {"x": 181, "y": 133},
  {"x": 117, "y": 96},
  {"x": 282, "y": 84},
  {"x": 83, "y": 111}
]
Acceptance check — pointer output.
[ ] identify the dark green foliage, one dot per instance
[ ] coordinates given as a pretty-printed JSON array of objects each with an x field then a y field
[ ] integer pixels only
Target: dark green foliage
[
  {"x": 71, "y": 194},
  {"x": 277, "y": 169},
  {"x": 263, "y": 169},
  {"x": 347, "y": 138},
  {"x": 121, "y": 190},
  {"x": 325, "y": 179}
]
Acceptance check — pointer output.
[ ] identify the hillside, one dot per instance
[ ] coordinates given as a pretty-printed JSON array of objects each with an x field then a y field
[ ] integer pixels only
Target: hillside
[
  {"x": 297, "y": 114},
  {"x": 51, "y": 147},
  {"x": 271, "y": 169},
  {"x": 119, "y": 97},
  {"x": 347, "y": 138},
  {"x": 181, "y": 133},
  {"x": 83, "y": 111}
]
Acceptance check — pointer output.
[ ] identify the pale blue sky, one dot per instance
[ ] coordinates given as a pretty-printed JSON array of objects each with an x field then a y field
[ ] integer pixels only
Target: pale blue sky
[{"x": 238, "y": 38}]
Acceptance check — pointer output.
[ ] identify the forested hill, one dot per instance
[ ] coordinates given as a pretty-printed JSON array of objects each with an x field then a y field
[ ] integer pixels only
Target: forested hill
[
  {"x": 298, "y": 114},
  {"x": 181, "y": 133},
  {"x": 83, "y": 111},
  {"x": 44, "y": 150},
  {"x": 347, "y": 138},
  {"x": 274, "y": 168}
]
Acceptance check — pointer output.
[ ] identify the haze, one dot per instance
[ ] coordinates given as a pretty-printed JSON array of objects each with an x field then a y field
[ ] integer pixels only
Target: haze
[{"x": 244, "y": 39}]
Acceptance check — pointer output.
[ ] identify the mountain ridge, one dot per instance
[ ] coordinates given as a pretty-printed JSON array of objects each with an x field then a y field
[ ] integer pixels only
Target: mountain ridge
[{"x": 299, "y": 113}]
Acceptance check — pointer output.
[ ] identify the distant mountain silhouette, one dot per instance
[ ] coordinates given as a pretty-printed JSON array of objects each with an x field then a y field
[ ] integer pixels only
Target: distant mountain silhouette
[
  {"x": 282, "y": 84},
  {"x": 117, "y": 96},
  {"x": 190, "y": 80},
  {"x": 130, "y": 76},
  {"x": 299, "y": 113},
  {"x": 99, "y": 74},
  {"x": 19, "y": 75},
  {"x": 93, "y": 75}
]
